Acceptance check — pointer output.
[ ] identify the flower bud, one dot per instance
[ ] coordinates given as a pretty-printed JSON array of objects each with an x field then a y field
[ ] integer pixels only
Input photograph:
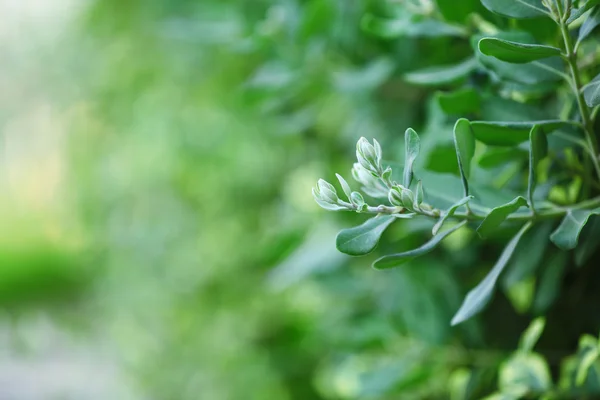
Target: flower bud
[
  {"x": 357, "y": 199},
  {"x": 327, "y": 192},
  {"x": 368, "y": 155},
  {"x": 395, "y": 196},
  {"x": 401, "y": 196}
]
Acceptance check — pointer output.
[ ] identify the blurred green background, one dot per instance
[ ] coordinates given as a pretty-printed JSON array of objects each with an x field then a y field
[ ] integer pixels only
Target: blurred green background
[{"x": 159, "y": 239}]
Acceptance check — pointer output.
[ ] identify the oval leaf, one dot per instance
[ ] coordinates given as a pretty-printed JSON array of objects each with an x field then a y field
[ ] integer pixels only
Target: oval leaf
[
  {"x": 499, "y": 133},
  {"x": 566, "y": 235},
  {"x": 478, "y": 297},
  {"x": 464, "y": 142},
  {"x": 514, "y": 52},
  {"x": 395, "y": 260},
  {"x": 363, "y": 239},
  {"x": 460, "y": 102},
  {"x": 412, "y": 146},
  {"x": 516, "y": 8},
  {"x": 498, "y": 215},
  {"x": 441, "y": 75}
]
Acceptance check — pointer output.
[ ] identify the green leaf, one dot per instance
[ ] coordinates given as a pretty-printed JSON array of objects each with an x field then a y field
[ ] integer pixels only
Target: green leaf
[
  {"x": 516, "y": 8},
  {"x": 566, "y": 235},
  {"x": 459, "y": 102},
  {"x": 478, "y": 297},
  {"x": 441, "y": 75},
  {"x": 464, "y": 141},
  {"x": 498, "y": 215},
  {"x": 589, "y": 242},
  {"x": 524, "y": 373},
  {"x": 532, "y": 334},
  {"x": 457, "y": 11},
  {"x": 412, "y": 146},
  {"x": 418, "y": 194},
  {"x": 500, "y": 133},
  {"x": 591, "y": 92},
  {"x": 496, "y": 156},
  {"x": 578, "y": 12},
  {"x": 391, "y": 28},
  {"x": 590, "y": 23},
  {"x": 515, "y": 52},
  {"x": 363, "y": 239},
  {"x": 395, "y": 260},
  {"x": 538, "y": 149},
  {"x": 449, "y": 213},
  {"x": 529, "y": 255},
  {"x": 586, "y": 362}
]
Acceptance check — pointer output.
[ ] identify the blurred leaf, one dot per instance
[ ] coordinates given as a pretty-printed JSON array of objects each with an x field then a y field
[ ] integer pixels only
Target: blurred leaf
[
  {"x": 591, "y": 92},
  {"x": 590, "y": 23},
  {"x": 498, "y": 215},
  {"x": 578, "y": 12},
  {"x": 465, "y": 149},
  {"x": 363, "y": 239},
  {"x": 529, "y": 254},
  {"x": 441, "y": 75},
  {"x": 449, "y": 213},
  {"x": 393, "y": 28},
  {"x": 412, "y": 146},
  {"x": 395, "y": 260},
  {"x": 497, "y": 156},
  {"x": 515, "y": 52},
  {"x": 524, "y": 373},
  {"x": 457, "y": 11},
  {"x": 538, "y": 149},
  {"x": 478, "y": 297},
  {"x": 566, "y": 235},
  {"x": 550, "y": 282},
  {"x": 500, "y": 133},
  {"x": 532, "y": 334},
  {"x": 516, "y": 8},
  {"x": 460, "y": 102},
  {"x": 589, "y": 242}
]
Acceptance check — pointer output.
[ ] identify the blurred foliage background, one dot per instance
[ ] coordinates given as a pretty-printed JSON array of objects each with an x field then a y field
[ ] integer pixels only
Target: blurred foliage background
[{"x": 159, "y": 236}]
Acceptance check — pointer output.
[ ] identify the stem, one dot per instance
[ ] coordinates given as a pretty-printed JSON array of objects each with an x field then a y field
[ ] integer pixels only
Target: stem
[{"x": 571, "y": 58}]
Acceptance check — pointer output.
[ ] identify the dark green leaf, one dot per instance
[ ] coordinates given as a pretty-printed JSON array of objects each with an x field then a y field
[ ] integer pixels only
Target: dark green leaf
[
  {"x": 478, "y": 297},
  {"x": 412, "y": 146},
  {"x": 591, "y": 92},
  {"x": 566, "y": 235},
  {"x": 363, "y": 239},
  {"x": 498, "y": 215},
  {"x": 550, "y": 282},
  {"x": 393, "y": 28},
  {"x": 499, "y": 133},
  {"x": 532, "y": 334},
  {"x": 590, "y": 23},
  {"x": 460, "y": 102},
  {"x": 538, "y": 149},
  {"x": 464, "y": 142},
  {"x": 441, "y": 75},
  {"x": 449, "y": 213},
  {"x": 529, "y": 255},
  {"x": 515, "y": 52},
  {"x": 516, "y": 8},
  {"x": 589, "y": 242},
  {"x": 395, "y": 260},
  {"x": 456, "y": 11}
]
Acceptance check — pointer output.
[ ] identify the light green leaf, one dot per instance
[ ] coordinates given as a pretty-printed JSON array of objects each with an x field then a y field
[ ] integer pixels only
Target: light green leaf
[
  {"x": 412, "y": 146},
  {"x": 578, "y": 12},
  {"x": 532, "y": 334},
  {"x": 391, "y": 28},
  {"x": 464, "y": 142},
  {"x": 478, "y": 297},
  {"x": 500, "y": 133},
  {"x": 441, "y": 75},
  {"x": 516, "y": 8},
  {"x": 418, "y": 194},
  {"x": 345, "y": 186},
  {"x": 395, "y": 260},
  {"x": 590, "y": 23},
  {"x": 363, "y": 239},
  {"x": 538, "y": 149},
  {"x": 449, "y": 213},
  {"x": 460, "y": 102},
  {"x": 524, "y": 373},
  {"x": 515, "y": 52},
  {"x": 591, "y": 92},
  {"x": 586, "y": 362},
  {"x": 498, "y": 215},
  {"x": 566, "y": 235}
]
